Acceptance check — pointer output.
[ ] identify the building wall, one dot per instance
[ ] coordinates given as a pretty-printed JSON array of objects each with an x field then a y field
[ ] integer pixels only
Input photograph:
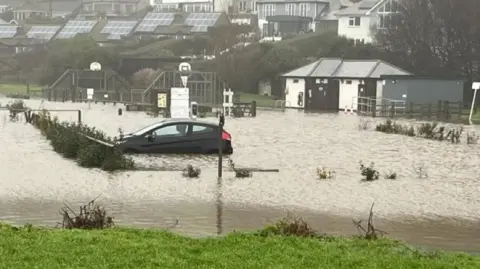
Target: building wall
[
  {"x": 293, "y": 88},
  {"x": 362, "y": 32},
  {"x": 348, "y": 94},
  {"x": 423, "y": 91}
]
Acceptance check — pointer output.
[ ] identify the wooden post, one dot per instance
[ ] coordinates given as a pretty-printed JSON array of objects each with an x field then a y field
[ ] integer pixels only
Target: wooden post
[
  {"x": 221, "y": 123},
  {"x": 421, "y": 111},
  {"x": 374, "y": 110},
  {"x": 410, "y": 110},
  {"x": 446, "y": 105},
  {"x": 392, "y": 110},
  {"x": 253, "y": 109},
  {"x": 429, "y": 111},
  {"x": 439, "y": 110},
  {"x": 79, "y": 117}
]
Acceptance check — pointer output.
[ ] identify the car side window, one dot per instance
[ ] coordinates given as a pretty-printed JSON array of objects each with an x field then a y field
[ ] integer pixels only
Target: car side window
[
  {"x": 172, "y": 130},
  {"x": 201, "y": 129}
]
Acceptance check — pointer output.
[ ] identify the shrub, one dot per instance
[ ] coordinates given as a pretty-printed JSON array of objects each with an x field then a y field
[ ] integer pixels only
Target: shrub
[
  {"x": 323, "y": 173},
  {"x": 239, "y": 172},
  {"x": 76, "y": 142},
  {"x": 290, "y": 226},
  {"x": 191, "y": 172},
  {"x": 368, "y": 172},
  {"x": 425, "y": 130},
  {"x": 90, "y": 216},
  {"x": 144, "y": 77},
  {"x": 391, "y": 175},
  {"x": 364, "y": 124},
  {"x": 18, "y": 106},
  {"x": 391, "y": 127}
]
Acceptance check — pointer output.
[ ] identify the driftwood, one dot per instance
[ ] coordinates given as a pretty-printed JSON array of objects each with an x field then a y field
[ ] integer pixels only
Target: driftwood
[{"x": 370, "y": 233}]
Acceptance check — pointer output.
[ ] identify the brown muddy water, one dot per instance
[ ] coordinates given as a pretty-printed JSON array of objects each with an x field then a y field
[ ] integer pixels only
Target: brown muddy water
[{"x": 441, "y": 210}]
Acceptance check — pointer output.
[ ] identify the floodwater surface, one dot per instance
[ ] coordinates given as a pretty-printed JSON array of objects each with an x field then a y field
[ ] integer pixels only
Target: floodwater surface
[{"x": 439, "y": 208}]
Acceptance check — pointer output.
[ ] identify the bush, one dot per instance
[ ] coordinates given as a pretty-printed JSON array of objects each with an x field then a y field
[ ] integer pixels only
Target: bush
[
  {"x": 426, "y": 130},
  {"x": 191, "y": 172},
  {"x": 70, "y": 140},
  {"x": 90, "y": 216},
  {"x": 289, "y": 226},
  {"x": 368, "y": 172},
  {"x": 323, "y": 173},
  {"x": 15, "y": 108}
]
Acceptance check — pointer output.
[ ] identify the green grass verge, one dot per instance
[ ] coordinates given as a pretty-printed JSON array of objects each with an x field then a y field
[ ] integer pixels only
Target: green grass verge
[
  {"x": 262, "y": 101},
  {"x": 17, "y": 88},
  {"x": 134, "y": 248}
]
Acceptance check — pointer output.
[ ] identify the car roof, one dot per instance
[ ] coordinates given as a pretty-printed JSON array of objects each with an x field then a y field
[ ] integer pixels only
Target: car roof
[{"x": 188, "y": 120}]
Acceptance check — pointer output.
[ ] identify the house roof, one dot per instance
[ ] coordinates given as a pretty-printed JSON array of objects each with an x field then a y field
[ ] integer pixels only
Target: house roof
[
  {"x": 360, "y": 8},
  {"x": 342, "y": 68},
  {"x": 328, "y": 10},
  {"x": 57, "y": 6}
]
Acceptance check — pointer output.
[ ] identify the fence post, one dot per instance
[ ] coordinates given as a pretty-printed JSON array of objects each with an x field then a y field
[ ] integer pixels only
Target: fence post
[
  {"x": 447, "y": 110},
  {"x": 410, "y": 110},
  {"x": 373, "y": 109},
  {"x": 253, "y": 109},
  {"x": 221, "y": 123},
  {"x": 429, "y": 111},
  {"x": 79, "y": 117},
  {"x": 439, "y": 110},
  {"x": 392, "y": 110}
]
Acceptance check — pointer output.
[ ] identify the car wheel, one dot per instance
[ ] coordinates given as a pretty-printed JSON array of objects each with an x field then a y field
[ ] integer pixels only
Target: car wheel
[{"x": 130, "y": 151}]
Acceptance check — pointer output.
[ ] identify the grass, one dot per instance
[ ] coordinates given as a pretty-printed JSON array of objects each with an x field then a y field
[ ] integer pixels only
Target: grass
[
  {"x": 262, "y": 101},
  {"x": 17, "y": 88},
  {"x": 30, "y": 247}
]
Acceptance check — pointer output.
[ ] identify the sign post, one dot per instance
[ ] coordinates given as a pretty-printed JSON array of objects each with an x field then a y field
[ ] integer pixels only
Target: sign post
[
  {"x": 90, "y": 92},
  {"x": 475, "y": 88}
]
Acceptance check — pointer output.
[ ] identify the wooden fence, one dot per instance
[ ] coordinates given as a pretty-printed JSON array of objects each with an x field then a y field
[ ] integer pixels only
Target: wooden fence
[{"x": 441, "y": 111}]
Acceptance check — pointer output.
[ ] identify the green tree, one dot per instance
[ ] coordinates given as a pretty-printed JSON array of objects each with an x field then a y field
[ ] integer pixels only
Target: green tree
[{"x": 278, "y": 59}]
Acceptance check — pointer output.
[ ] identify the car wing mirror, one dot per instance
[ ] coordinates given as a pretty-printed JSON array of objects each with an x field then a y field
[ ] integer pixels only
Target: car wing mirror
[{"x": 150, "y": 137}]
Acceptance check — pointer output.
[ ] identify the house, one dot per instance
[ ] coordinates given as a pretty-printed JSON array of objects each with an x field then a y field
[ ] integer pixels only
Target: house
[
  {"x": 334, "y": 83},
  {"x": 47, "y": 9},
  {"x": 178, "y": 25},
  {"x": 281, "y": 17},
  {"x": 108, "y": 32},
  {"x": 6, "y": 5},
  {"x": 111, "y": 8},
  {"x": 183, "y": 5},
  {"x": 361, "y": 20}
]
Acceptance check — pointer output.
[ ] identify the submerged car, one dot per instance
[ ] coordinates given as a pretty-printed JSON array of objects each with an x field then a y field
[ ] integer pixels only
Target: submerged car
[{"x": 177, "y": 136}]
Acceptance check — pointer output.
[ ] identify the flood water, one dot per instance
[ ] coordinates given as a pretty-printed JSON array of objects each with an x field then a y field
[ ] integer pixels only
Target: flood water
[{"x": 439, "y": 210}]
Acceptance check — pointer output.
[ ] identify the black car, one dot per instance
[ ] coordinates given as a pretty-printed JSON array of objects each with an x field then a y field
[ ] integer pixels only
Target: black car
[{"x": 177, "y": 136}]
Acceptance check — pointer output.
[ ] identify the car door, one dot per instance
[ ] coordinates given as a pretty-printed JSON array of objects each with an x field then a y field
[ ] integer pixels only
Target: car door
[
  {"x": 169, "y": 138},
  {"x": 204, "y": 138}
]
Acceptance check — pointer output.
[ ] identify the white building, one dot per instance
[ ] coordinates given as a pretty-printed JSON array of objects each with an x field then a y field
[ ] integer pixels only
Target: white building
[
  {"x": 192, "y": 5},
  {"x": 361, "y": 20},
  {"x": 335, "y": 84}
]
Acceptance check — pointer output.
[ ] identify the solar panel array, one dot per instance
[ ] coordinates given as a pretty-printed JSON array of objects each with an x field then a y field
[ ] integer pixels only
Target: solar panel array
[
  {"x": 152, "y": 20},
  {"x": 117, "y": 29},
  {"x": 8, "y": 31},
  {"x": 72, "y": 28},
  {"x": 201, "y": 21},
  {"x": 43, "y": 31}
]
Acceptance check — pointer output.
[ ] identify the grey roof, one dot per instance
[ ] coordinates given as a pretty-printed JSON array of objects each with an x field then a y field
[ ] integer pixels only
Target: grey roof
[
  {"x": 327, "y": 12},
  {"x": 360, "y": 8},
  {"x": 339, "y": 68}
]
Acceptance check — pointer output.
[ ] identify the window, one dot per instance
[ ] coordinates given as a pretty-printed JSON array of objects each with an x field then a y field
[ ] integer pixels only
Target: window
[
  {"x": 389, "y": 15},
  {"x": 242, "y": 6},
  {"x": 172, "y": 130},
  {"x": 268, "y": 10},
  {"x": 295, "y": 81},
  {"x": 354, "y": 21},
  {"x": 201, "y": 129},
  {"x": 290, "y": 9},
  {"x": 349, "y": 82},
  {"x": 304, "y": 9}
]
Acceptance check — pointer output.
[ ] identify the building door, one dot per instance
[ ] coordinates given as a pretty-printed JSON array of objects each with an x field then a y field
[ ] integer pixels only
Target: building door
[
  {"x": 367, "y": 96},
  {"x": 322, "y": 96}
]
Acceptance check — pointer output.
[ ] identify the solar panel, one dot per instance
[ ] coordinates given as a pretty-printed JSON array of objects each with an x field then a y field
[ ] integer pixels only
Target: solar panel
[
  {"x": 72, "y": 28},
  {"x": 8, "y": 31},
  {"x": 43, "y": 32},
  {"x": 152, "y": 20},
  {"x": 114, "y": 37},
  {"x": 201, "y": 21},
  {"x": 118, "y": 27}
]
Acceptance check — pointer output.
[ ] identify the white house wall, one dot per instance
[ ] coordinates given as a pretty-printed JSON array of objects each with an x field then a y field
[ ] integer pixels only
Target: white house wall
[
  {"x": 379, "y": 89},
  {"x": 294, "y": 86},
  {"x": 362, "y": 32},
  {"x": 348, "y": 94}
]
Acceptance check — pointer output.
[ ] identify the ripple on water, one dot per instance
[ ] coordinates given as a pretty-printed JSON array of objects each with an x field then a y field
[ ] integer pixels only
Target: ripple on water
[{"x": 294, "y": 142}]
